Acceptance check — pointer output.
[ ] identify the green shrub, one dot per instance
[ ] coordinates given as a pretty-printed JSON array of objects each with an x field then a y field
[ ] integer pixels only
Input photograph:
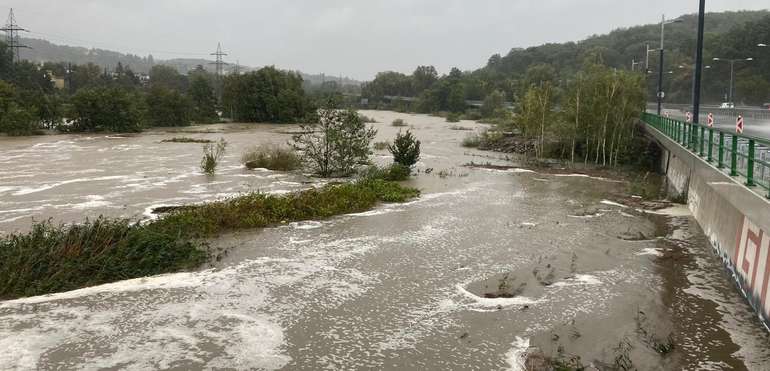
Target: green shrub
[
  {"x": 58, "y": 258},
  {"x": 394, "y": 172},
  {"x": 453, "y": 117},
  {"x": 367, "y": 119},
  {"x": 271, "y": 157},
  {"x": 472, "y": 141},
  {"x": 405, "y": 149},
  {"x": 212, "y": 154},
  {"x": 399, "y": 123},
  {"x": 17, "y": 121},
  {"x": 381, "y": 146}
]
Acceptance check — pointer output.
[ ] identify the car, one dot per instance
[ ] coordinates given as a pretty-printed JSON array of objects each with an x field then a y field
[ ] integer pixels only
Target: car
[{"x": 727, "y": 105}]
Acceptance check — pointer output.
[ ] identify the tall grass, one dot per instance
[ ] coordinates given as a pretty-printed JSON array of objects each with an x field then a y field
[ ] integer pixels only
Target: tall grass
[
  {"x": 212, "y": 154},
  {"x": 271, "y": 157},
  {"x": 58, "y": 258}
]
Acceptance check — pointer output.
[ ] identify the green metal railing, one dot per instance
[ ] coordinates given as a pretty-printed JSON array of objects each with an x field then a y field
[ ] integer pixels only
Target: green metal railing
[{"x": 735, "y": 154}]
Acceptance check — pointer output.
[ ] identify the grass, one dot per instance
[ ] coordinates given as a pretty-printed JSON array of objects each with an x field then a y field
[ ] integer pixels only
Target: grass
[
  {"x": 394, "y": 172},
  {"x": 399, "y": 123},
  {"x": 185, "y": 140},
  {"x": 472, "y": 141},
  {"x": 381, "y": 146},
  {"x": 212, "y": 154},
  {"x": 271, "y": 157},
  {"x": 59, "y": 258},
  {"x": 461, "y": 128}
]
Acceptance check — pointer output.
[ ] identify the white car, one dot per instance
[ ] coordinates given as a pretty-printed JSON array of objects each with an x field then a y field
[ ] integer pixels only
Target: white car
[{"x": 727, "y": 105}]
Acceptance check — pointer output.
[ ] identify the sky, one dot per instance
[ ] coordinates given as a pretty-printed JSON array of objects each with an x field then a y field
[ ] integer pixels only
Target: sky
[{"x": 354, "y": 38}]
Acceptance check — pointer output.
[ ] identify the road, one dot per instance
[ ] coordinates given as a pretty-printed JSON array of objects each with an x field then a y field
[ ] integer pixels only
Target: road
[{"x": 756, "y": 124}]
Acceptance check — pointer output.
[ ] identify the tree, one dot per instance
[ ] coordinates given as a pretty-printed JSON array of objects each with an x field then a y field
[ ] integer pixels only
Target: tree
[
  {"x": 405, "y": 149},
  {"x": 335, "y": 142},
  {"x": 204, "y": 102},
  {"x": 266, "y": 95},
  {"x": 423, "y": 78},
  {"x": 106, "y": 109},
  {"x": 17, "y": 121},
  {"x": 166, "y": 107},
  {"x": 167, "y": 77},
  {"x": 494, "y": 104}
]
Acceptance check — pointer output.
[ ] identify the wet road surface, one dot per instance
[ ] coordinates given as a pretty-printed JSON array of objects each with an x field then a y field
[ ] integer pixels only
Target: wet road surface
[{"x": 489, "y": 269}]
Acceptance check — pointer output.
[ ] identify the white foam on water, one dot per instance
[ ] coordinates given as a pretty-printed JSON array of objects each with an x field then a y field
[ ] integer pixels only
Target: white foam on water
[
  {"x": 580, "y": 279},
  {"x": 488, "y": 303},
  {"x": 587, "y": 177},
  {"x": 612, "y": 203},
  {"x": 306, "y": 225},
  {"x": 527, "y": 224},
  {"x": 590, "y": 216},
  {"x": 94, "y": 201},
  {"x": 375, "y": 212},
  {"x": 517, "y": 356},
  {"x": 30, "y": 190},
  {"x": 650, "y": 251},
  {"x": 677, "y": 210}
]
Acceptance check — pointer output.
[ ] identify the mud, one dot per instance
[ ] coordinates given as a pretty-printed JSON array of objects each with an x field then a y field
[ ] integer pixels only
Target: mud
[{"x": 492, "y": 268}]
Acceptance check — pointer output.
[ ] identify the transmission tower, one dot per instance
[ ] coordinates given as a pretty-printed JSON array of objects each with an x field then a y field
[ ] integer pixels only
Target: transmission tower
[
  {"x": 12, "y": 39},
  {"x": 220, "y": 67}
]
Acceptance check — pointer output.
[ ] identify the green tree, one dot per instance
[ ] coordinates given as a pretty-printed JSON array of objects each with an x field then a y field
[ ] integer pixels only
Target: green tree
[
  {"x": 335, "y": 142},
  {"x": 266, "y": 95},
  {"x": 166, "y": 107},
  {"x": 167, "y": 77},
  {"x": 204, "y": 103},
  {"x": 494, "y": 104},
  {"x": 106, "y": 109},
  {"x": 405, "y": 149}
]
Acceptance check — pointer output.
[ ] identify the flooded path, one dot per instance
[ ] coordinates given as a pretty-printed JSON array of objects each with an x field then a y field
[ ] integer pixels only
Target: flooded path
[{"x": 489, "y": 269}]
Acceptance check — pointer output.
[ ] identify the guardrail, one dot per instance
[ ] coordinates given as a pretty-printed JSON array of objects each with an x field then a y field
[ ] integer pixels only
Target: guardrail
[{"x": 736, "y": 154}]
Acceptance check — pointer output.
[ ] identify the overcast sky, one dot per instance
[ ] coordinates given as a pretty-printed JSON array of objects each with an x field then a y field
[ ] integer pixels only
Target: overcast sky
[{"x": 355, "y": 38}]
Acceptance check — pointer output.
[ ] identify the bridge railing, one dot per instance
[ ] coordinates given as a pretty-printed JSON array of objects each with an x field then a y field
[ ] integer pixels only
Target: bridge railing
[{"x": 735, "y": 154}]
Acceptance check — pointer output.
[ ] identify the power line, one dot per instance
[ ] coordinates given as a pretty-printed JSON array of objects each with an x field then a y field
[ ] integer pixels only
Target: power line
[
  {"x": 12, "y": 30},
  {"x": 220, "y": 64}
]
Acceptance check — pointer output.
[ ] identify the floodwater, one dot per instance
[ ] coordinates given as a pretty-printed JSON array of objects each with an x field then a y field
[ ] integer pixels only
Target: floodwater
[{"x": 488, "y": 269}]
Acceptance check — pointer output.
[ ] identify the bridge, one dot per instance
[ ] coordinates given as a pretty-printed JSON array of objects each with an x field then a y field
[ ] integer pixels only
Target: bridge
[
  {"x": 725, "y": 177},
  {"x": 757, "y": 120}
]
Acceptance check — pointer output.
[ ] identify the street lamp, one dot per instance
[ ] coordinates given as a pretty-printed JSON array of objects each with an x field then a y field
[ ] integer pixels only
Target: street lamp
[
  {"x": 663, "y": 24},
  {"x": 732, "y": 73}
]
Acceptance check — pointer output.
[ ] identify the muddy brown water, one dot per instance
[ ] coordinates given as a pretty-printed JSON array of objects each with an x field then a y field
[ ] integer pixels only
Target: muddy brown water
[{"x": 489, "y": 269}]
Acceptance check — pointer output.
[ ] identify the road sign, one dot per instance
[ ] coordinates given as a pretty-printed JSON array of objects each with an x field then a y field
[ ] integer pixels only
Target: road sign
[
  {"x": 667, "y": 114},
  {"x": 739, "y": 125},
  {"x": 688, "y": 116},
  {"x": 711, "y": 120}
]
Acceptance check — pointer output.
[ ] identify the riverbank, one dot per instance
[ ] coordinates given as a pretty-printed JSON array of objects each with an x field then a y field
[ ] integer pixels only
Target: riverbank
[{"x": 60, "y": 258}]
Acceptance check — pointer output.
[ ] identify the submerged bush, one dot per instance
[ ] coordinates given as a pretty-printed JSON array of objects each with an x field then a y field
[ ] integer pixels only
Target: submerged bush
[
  {"x": 381, "y": 146},
  {"x": 405, "y": 149},
  {"x": 58, "y": 258},
  {"x": 395, "y": 172},
  {"x": 271, "y": 157},
  {"x": 212, "y": 154},
  {"x": 472, "y": 141},
  {"x": 453, "y": 117},
  {"x": 399, "y": 123}
]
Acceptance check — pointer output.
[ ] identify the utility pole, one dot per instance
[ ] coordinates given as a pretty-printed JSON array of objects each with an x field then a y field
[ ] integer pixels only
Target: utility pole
[
  {"x": 12, "y": 30},
  {"x": 220, "y": 66},
  {"x": 696, "y": 83}
]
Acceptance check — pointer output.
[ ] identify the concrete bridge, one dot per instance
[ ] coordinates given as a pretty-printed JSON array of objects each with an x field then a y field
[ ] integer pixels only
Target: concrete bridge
[{"x": 725, "y": 178}]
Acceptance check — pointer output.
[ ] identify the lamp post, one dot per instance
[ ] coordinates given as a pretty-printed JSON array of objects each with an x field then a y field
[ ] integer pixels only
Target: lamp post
[
  {"x": 663, "y": 24},
  {"x": 732, "y": 74}
]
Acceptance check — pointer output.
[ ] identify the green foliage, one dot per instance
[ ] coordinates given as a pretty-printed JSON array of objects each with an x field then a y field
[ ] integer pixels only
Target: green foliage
[
  {"x": 167, "y": 77},
  {"x": 405, "y": 149},
  {"x": 212, "y": 154},
  {"x": 17, "y": 121},
  {"x": 271, "y": 157},
  {"x": 399, "y": 123},
  {"x": 203, "y": 100},
  {"x": 335, "y": 142},
  {"x": 59, "y": 258},
  {"x": 167, "y": 107},
  {"x": 267, "y": 95},
  {"x": 381, "y": 146},
  {"x": 471, "y": 141},
  {"x": 453, "y": 117},
  {"x": 106, "y": 109},
  {"x": 394, "y": 172},
  {"x": 494, "y": 105}
]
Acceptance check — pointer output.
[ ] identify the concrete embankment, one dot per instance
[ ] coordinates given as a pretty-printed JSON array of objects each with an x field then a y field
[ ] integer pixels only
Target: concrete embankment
[{"x": 734, "y": 217}]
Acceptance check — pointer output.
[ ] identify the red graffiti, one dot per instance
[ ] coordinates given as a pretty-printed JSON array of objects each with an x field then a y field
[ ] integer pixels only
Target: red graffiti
[{"x": 749, "y": 263}]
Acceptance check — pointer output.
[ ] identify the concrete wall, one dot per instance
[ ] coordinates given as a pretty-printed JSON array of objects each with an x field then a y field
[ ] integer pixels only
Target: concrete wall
[{"x": 735, "y": 218}]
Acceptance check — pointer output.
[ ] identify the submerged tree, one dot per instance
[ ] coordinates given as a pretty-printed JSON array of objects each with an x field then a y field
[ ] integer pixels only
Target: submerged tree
[
  {"x": 405, "y": 149},
  {"x": 335, "y": 142}
]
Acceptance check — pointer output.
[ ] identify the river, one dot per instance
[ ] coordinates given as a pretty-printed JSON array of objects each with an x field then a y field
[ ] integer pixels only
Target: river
[{"x": 407, "y": 286}]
